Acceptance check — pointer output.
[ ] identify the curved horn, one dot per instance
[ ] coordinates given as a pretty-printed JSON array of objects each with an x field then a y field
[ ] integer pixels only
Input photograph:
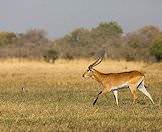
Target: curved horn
[
  {"x": 94, "y": 63},
  {"x": 98, "y": 61}
]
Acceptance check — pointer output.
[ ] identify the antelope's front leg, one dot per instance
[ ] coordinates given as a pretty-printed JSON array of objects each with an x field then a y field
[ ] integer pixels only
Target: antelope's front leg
[
  {"x": 97, "y": 98},
  {"x": 100, "y": 94}
]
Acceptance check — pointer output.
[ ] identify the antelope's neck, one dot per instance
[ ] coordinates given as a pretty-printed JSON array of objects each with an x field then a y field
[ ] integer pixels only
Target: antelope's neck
[{"x": 98, "y": 76}]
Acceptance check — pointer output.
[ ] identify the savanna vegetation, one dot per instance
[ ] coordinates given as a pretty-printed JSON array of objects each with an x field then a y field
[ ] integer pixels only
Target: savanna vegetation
[
  {"x": 39, "y": 96},
  {"x": 143, "y": 44}
]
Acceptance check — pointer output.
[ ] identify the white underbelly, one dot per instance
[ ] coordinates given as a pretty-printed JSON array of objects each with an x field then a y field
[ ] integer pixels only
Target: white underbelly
[{"x": 119, "y": 87}]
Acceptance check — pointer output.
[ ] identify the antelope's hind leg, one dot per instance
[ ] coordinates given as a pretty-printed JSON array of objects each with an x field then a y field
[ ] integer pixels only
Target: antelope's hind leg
[
  {"x": 115, "y": 92},
  {"x": 142, "y": 88},
  {"x": 134, "y": 93}
]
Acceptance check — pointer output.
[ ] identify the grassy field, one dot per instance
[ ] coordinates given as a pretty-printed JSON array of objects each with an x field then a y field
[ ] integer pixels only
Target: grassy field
[{"x": 37, "y": 96}]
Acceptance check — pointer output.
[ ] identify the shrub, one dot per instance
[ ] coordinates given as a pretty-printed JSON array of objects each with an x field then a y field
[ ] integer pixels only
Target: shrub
[
  {"x": 156, "y": 50},
  {"x": 51, "y": 55}
]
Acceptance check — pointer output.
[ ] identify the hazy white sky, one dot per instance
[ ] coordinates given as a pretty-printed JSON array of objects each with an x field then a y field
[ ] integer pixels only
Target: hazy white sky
[{"x": 59, "y": 17}]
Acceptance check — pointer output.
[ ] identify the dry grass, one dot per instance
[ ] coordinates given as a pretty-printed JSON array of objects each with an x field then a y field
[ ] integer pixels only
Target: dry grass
[{"x": 37, "y": 96}]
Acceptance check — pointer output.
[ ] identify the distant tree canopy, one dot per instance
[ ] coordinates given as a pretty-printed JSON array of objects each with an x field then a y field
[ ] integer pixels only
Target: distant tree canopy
[
  {"x": 156, "y": 48},
  {"x": 143, "y": 44},
  {"x": 31, "y": 44},
  {"x": 7, "y": 38},
  {"x": 107, "y": 29},
  {"x": 138, "y": 43},
  {"x": 84, "y": 43}
]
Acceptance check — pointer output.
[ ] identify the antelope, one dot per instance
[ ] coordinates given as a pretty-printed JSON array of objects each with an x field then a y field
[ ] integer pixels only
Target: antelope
[{"x": 112, "y": 82}]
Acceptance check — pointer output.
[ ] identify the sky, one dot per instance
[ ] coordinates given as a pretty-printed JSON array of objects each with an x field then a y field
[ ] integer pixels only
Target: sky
[{"x": 59, "y": 17}]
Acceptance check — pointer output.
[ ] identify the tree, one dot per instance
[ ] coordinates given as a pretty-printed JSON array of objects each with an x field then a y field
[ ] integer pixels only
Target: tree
[
  {"x": 107, "y": 29},
  {"x": 37, "y": 36},
  {"x": 7, "y": 38},
  {"x": 156, "y": 49},
  {"x": 138, "y": 43}
]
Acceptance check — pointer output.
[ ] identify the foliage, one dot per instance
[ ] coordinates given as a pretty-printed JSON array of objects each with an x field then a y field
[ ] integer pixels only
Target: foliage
[
  {"x": 31, "y": 44},
  {"x": 107, "y": 29},
  {"x": 138, "y": 43},
  {"x": 7, "y": 38},
  {"x": 82, "y": 43},
  {"x": 86, "y": 43},
  {"x": 37, "y": 36},
  {"x": 156, "y": 49},
  {"x": 51, "y": 55}
]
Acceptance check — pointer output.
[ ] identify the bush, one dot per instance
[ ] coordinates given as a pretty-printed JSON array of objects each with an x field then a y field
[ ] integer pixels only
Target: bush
[
  {"x": 51, "y": 55},
  {"x": 156, "y": 50},
  {"x": 7, "y": 38}
]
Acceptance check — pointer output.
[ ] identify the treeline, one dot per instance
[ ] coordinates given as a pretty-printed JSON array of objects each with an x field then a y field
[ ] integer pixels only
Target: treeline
[{"x": 143, "y": 44}]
